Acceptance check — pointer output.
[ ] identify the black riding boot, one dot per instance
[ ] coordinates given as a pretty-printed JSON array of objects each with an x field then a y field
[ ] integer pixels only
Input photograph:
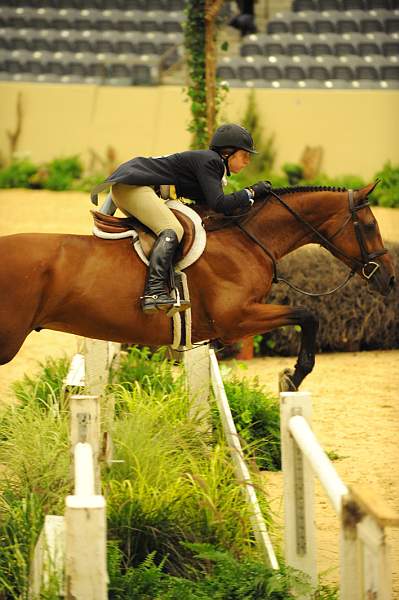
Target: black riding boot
[{"x": 156, "y": 294}]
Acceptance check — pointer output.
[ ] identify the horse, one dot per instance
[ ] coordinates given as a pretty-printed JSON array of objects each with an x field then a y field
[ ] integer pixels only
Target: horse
[{"x": 91, "y": 287}]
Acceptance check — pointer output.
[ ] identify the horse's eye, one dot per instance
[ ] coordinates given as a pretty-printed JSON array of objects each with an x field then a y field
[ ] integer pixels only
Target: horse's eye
[{"x": 369, "y": 227}]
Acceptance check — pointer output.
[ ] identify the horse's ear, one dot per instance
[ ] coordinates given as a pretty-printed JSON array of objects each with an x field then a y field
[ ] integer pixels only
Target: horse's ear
[{"x": 364, "y": 192}]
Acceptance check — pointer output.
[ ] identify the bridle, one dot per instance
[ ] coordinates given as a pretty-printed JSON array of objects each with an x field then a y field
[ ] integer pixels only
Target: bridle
[{"x": 367, "y": 265}]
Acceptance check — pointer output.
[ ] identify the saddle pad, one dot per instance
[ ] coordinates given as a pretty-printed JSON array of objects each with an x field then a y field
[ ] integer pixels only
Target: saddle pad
[{"x": 193, "y": 244}]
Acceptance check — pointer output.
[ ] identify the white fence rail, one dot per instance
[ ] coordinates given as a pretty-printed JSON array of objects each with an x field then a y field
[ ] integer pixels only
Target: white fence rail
[
  {"x": 365, "y": 570},
  {"x": 72, "y": 548},
  {"x": 85, "y": 528}
]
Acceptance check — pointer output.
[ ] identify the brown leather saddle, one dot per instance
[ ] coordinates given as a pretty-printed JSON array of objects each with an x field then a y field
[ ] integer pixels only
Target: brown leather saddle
[{"x": 111, "y": 224}]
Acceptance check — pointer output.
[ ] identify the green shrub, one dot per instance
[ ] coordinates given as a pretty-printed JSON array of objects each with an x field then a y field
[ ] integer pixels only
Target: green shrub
[
  {"x": 387, "y": 191},
  {"x": 61, "y": 172},
  {"x": 44, "y": 388},
  {"x": 217, "y": 576},
  {"x": 256, "y": 415},
  {"x": 294, "y": 172},
  {"x": 18, "y": 174},
  {"x": 177, "y": 522}
]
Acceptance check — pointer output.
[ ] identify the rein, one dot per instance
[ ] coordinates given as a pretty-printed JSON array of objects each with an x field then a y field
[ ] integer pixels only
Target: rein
[{"x": 364, "y": 264}]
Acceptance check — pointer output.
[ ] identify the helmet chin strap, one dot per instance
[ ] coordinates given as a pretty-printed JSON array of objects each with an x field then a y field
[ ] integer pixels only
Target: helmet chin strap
[{"x": 226, "y": 161}]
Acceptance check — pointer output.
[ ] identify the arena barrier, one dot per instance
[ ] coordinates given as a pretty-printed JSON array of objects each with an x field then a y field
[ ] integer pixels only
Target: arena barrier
[
  {"x": 364, "y": 563},
  {"x": 202, "y": 372},
  {"x": 71, "y": 549}
]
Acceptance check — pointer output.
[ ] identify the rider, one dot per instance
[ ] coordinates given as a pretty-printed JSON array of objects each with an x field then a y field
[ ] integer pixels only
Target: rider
[{"x": 196, "y": 174}]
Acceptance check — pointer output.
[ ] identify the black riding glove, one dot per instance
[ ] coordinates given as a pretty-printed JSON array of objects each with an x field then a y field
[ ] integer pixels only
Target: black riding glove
[{"x": 261, "y": 189}]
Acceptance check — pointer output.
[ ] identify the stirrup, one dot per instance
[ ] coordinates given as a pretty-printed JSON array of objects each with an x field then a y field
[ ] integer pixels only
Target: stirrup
[
  {"x": 179, "y": 305},
  {"x": 150, "y": 303}
]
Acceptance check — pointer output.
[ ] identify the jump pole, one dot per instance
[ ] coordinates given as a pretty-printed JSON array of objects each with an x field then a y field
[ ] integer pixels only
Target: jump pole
[
  {"x": 365, "y": 570},
  {"x": 85, "y": 543},
  {"x": 242, "y": 473}
]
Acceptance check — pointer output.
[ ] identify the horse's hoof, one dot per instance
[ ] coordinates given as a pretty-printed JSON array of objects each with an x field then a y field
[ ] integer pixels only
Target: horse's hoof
[{"x": 285, "y": 381}]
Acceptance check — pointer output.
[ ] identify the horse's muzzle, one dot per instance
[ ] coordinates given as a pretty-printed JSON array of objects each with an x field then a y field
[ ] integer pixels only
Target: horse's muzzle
[{"x": 382, "y": 282}]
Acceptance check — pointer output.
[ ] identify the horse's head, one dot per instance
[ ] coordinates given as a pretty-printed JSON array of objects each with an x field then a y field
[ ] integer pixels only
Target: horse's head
[{"x": 361, "y": 241}]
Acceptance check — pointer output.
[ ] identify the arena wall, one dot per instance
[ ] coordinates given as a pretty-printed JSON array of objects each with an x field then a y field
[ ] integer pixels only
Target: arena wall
[{"x": 358, "y": 130}]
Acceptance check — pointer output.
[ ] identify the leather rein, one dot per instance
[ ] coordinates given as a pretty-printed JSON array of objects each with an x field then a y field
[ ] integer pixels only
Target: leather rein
[{"x": 367, "y": 265}]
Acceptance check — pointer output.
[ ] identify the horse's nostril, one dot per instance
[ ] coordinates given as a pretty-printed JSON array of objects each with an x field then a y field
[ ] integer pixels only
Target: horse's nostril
[{"x": 392, "y": 283}]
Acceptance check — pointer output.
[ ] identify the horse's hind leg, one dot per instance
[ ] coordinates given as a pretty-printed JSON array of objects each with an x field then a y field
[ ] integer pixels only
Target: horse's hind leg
[{"x": 291, "y": 379}]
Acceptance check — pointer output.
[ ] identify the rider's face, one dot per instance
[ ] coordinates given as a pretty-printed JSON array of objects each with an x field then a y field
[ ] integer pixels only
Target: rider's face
[{"x": 239, "y": 160}]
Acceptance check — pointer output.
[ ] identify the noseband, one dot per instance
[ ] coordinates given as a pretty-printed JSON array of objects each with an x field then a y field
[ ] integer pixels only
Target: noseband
[{"x": 367, "y": 266}]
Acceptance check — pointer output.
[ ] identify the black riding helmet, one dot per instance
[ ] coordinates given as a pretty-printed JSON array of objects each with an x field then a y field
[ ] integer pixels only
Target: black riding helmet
[{"x": 231, "y": 137}]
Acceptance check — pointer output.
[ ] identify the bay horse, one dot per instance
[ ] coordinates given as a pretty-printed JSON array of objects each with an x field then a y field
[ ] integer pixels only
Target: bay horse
[{"x": 91, "y": 287}]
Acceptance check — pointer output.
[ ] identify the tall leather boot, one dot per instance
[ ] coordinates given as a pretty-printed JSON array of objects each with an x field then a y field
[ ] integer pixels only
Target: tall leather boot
[{"x": 156, "y": 293}]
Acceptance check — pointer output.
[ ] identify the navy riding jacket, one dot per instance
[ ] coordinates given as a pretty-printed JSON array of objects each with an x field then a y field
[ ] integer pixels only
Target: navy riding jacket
[{"x": 196, "y": 174}]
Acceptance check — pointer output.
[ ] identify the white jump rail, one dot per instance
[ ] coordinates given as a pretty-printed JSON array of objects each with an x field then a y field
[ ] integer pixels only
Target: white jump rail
[
  {"x": 242, "y": 473},
  {"x": 85, "y": 533},
  {"x": 365, "y": 570}
]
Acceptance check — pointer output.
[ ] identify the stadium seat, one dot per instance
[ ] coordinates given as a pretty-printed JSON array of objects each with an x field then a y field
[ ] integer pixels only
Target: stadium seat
[
  {"x": 120, "y": 74},
  {"x": 344, "y": 48},
  {"x": 369, "y": 48},
  {"x": 297, "y": 49},
  {"x": 366, "y": 72},
  {"x": 346, "y": 24},
  {"x": 353, "y": 5},
  {"x": 370, "y": 24},
  {"x": 321, "y": 49},
  {"x": 172, "y": 23},
  {"x": 156, "y": 5},
  {"x": 392, "y": 24},
  {"x": 274, "y": 48},
  {"x": 303, "y": 23},
  {"x": 173, "y": 5},
  {"x": 328, "y": 5},
  {"x": 278, "y": 25},
  {"x": 226, "y": 72},
  {"x": 294, "y": 72},
  {"x": 324, "y": 25},
  {"x": 248, "y": 72},
  {"x": 318, "y": 73},
  {"x": 271, "y": 72},
  {"x": 391, "y": 48},
  {"x": 251, "y": 48},
  {"x": 303, "y": 5},
  {"x": 378, "y": 4},
  {"x": 390, "y": 72}
]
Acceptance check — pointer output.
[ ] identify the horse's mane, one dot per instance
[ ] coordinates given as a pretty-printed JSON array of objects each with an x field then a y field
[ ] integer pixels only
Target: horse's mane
[
  {"x": 215, "y": 222},
  {"x": 308, "y": 188}
]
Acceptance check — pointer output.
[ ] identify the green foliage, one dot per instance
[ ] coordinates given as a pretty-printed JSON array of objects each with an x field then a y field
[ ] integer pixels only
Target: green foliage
[
  {"x": 261, "y": 163},
  {"x": 194, "y": 41},
  {"x": 45, "y": 388},
  {"x": 177, "y": 524},
  {"x": 18, "y": 174},
  {"x": 294, "y": 172},
  {"x": 387, "y": 191},
  {"x": 256, "y": 414},
  {"x": 21, "y": 518},
  {"x": 172, "y": 486},
  {"x": 61, "y": 173},
  {"x": 152, "y": 371},
  {"x": 34, "y": 480},
  {"x": 217, "y": 575}
]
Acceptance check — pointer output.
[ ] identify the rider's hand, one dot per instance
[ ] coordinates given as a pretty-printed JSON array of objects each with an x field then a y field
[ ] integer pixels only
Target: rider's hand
[{"x": 261, "y": 189}]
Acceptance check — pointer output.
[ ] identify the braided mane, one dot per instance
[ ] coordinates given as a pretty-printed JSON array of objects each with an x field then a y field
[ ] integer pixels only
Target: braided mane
[{"x": 309, "y": 188}]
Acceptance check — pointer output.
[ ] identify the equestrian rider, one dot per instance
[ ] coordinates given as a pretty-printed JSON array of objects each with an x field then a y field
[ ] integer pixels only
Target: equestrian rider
[{"x": 196, "y": 174}]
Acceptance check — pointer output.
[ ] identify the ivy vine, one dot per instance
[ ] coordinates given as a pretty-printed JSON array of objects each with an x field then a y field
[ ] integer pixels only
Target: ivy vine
[{"x": 197, "y": 63}]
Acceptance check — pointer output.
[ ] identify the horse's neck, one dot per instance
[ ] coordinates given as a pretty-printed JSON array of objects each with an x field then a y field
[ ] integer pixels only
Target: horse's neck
[{"x": 283, "y": 232}]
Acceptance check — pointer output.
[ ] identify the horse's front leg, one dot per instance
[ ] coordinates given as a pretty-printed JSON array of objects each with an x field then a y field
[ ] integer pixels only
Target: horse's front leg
[{"x": 260, "y": 318}]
